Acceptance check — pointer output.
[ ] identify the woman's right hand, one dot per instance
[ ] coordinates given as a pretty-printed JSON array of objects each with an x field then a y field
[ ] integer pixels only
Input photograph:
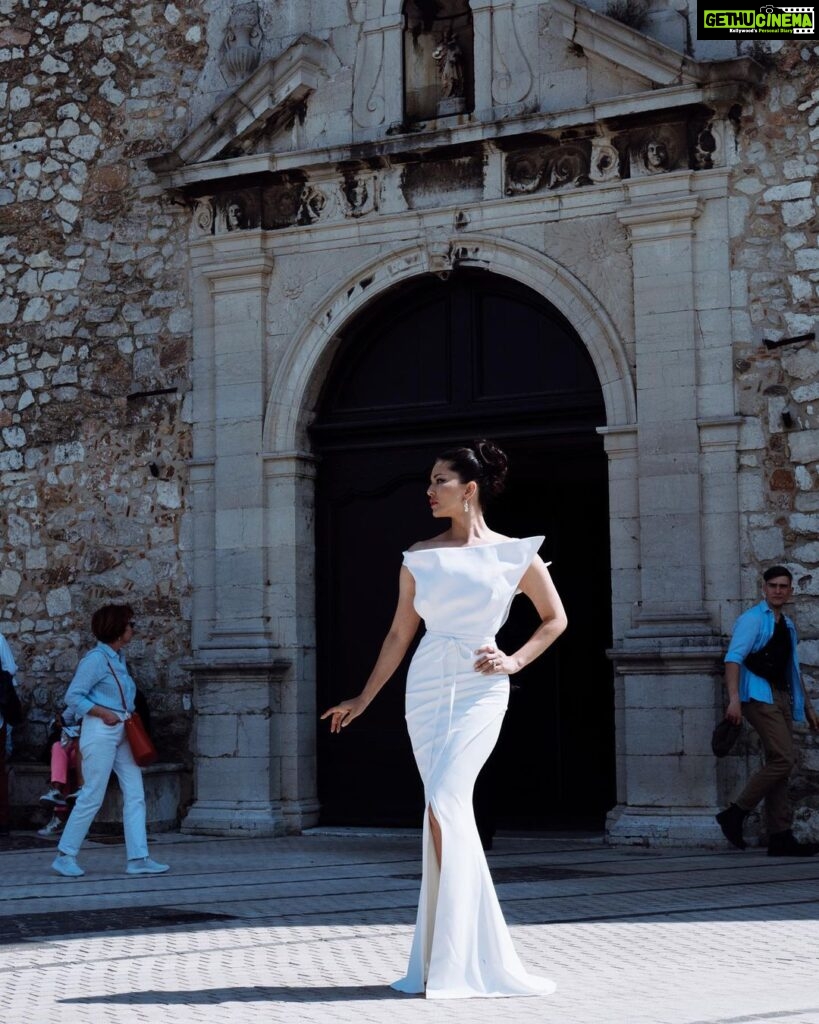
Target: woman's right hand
[
  {"x": 342, "y": 714},
  {"x": 106, "y": 714}
]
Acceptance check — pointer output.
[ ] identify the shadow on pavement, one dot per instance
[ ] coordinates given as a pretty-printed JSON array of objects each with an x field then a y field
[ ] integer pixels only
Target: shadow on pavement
[{"x": 247, "y": 994}]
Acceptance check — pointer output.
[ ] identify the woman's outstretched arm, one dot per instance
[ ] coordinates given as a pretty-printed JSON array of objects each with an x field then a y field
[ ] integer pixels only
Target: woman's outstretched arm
[
  {"x": 538, "y": 586},
  {"x": 403, "y": 629}
]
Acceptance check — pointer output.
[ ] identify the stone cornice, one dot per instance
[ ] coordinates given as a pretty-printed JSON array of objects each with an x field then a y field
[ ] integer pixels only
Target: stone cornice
[{"x": 401, "y": 148}]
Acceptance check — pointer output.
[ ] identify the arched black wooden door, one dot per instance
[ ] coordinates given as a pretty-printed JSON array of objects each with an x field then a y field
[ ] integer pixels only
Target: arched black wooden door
[{"x": 433, "y": 363}]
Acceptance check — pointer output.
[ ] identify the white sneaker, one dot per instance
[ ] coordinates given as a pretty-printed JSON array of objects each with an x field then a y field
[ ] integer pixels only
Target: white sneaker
[
  {"x": 53, "y": 828},
  {"x": 53, "y": 796},
  {"x": 74, "y": 795},
  {"x": 66, "y": 865},
  {"x": 145, "y": 866}
]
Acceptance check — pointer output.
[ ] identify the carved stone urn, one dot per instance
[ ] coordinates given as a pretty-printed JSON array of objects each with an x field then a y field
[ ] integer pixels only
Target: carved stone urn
[{"x": 242, "y": 46}]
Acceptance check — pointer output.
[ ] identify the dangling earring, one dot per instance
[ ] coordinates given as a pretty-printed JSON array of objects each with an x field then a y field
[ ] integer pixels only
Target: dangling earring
[{"x": 466, "y": 505}]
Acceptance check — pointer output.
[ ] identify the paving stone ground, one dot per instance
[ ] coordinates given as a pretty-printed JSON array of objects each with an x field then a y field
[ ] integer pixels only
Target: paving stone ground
[{"x": 312, "y": 929}]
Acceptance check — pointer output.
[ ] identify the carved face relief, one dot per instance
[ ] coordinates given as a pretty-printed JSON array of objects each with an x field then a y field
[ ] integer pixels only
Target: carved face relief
[
  {"x": 657, "y": 150},
  {"x": 241, "y": 49},
  {"x": 656, "y": 156},
  {"x": 233, "y": 217},
  {"x": 356, "y": 193}
]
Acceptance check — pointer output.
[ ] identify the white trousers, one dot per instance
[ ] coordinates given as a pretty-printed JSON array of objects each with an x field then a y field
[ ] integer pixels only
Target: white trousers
[{"x": 105, "y": 748}]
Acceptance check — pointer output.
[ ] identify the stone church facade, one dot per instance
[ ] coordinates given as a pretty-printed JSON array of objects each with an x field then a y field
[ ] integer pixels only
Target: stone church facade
[{"x": 198, "y": 205}]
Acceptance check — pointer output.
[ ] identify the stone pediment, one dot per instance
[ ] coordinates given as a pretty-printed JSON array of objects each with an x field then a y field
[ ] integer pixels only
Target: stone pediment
[
  {"x": 266, "y": 103},
  {"x": 578, "y": 69},
  {"x": 593, "y": 103}
]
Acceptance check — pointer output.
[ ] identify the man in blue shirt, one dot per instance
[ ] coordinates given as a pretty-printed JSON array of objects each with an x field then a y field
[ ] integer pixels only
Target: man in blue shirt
[{"x": 764, "y": 685}]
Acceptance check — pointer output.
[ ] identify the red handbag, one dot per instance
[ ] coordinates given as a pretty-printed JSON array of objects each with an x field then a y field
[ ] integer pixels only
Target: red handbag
[{"x": 142, "y": 747}]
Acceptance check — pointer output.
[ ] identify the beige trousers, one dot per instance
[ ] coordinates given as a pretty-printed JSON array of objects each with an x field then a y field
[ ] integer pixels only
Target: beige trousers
[{"x": 773, "y": 724}]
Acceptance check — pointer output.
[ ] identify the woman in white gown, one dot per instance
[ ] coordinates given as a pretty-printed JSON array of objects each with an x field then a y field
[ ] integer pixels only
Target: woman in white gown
[{"x": 461, "y": 583}]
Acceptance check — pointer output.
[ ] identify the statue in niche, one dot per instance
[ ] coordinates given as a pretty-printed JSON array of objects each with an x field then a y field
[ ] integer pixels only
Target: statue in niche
[
  {"x": 311, "y": 203},
  {"x": 242, "y": 45},
  {"x": 449, "y": 57}
]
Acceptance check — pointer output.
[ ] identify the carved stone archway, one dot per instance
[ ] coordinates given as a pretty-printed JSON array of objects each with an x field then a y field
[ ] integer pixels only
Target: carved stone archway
[{"x": 298, "y": 374}]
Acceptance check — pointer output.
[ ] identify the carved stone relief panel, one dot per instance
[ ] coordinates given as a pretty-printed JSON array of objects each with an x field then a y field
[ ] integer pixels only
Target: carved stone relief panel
[
  {"x": 201, "y": 218},
  {"x": 657, "y": 150},
  {"x": 241, "y": 49},
  {"x": 605, "y": 164},
  {"x": 355, "y": 189},
  {"x": 359, "y": 194},
  {"x": 237, "y": 211},
  {"x": 551, "y": 166},
  {"x": 280, "y": 204},
  {"x": 438, "y": 59},
  {"x": 312, "y": 201}
]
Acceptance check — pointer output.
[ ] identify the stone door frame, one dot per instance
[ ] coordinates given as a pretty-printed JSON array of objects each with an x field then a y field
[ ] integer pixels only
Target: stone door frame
[{"x": 253, "y": 479}]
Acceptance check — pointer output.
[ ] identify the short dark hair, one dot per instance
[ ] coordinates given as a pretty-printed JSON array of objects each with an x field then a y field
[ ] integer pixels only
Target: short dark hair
[
  {"x": 110, "y": 622},
  {"x": 483, "y": 462},
  {"x": 777, "y": 570}
]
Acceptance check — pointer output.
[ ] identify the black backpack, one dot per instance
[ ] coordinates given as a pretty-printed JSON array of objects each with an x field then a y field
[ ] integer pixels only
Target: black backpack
[{"x": 10, "y": 706}]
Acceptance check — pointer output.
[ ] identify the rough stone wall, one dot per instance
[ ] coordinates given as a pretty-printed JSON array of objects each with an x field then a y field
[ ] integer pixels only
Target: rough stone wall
[
  {"x": 94, "y": 316},
  {"x": 776, "y": 259}
]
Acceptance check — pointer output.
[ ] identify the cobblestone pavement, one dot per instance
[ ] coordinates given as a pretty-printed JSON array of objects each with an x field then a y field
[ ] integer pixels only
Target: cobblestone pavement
[{"x": 313, "y": 928}]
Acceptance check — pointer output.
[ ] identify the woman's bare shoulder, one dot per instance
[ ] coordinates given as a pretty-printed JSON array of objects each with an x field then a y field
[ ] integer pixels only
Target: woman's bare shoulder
[{"x": 430, "y": 542}]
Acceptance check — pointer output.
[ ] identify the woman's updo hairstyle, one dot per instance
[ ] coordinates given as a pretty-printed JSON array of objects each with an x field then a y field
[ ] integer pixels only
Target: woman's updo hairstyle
[{"x": 482, "y": 462}]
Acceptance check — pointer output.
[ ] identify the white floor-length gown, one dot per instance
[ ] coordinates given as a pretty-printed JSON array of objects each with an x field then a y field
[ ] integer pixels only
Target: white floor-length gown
[{"x": 461, "y": 945}]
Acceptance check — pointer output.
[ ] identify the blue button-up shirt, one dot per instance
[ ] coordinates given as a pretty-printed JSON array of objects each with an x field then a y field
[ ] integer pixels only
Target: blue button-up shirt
[
  {"x": 752, "y": 631},
  {"x": 94, "y": 683}
]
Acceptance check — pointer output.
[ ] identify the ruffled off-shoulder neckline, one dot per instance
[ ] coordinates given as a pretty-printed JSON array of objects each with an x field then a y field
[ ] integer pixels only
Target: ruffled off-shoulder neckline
[{"x": 477, "y": 547}]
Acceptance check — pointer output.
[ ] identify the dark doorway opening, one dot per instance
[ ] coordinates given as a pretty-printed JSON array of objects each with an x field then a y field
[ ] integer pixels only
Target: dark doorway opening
[{"x": 432, "y": 363}]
